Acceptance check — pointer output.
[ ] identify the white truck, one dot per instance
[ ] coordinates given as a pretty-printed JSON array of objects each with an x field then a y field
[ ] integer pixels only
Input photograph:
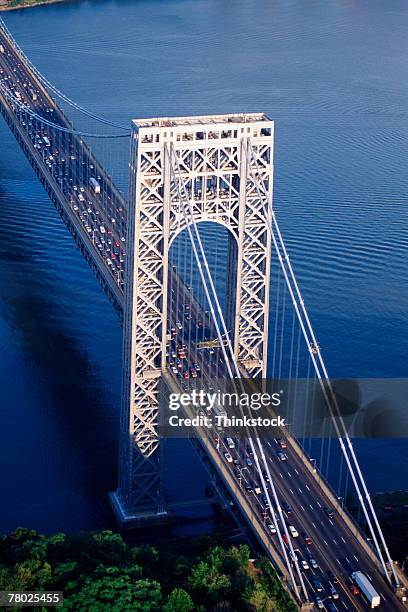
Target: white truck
[
  {"x": 95, "y": 185},
  {"x": 366, "y": 588}
]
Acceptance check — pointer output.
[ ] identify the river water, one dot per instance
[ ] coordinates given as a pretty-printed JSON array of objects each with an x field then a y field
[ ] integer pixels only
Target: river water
[{"x": 333, "y": 76}]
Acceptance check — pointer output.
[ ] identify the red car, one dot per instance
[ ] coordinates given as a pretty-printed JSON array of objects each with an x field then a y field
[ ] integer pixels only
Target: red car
[
  {"x": 186, "y": 374},
  {"x": 354, "y": 589},
  {"x": 307, "y": 539},
  {"x": 285, "y": 539}
]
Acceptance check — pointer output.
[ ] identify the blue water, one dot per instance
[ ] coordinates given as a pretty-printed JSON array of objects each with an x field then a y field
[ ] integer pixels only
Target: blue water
[{"x": 333, "y": 76}]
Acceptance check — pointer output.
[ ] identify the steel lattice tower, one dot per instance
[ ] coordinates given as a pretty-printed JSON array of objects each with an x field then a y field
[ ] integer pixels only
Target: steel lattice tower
[{"x": 210, "y": 151}]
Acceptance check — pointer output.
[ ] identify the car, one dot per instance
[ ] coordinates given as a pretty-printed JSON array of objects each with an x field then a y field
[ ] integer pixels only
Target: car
[
  {"x": 287, "y": 508},
  {"x": 332, "y": 577},
  {"x": 193, "y": 373},
  {"x": 333, "y": 592},
  {"x": 285, "y": 539},
  {"x": 228, "y": 457},
  {"x": 248, "y": 461},
  {"x": 330, "y": 606},
  {"x": 317, "y": 585},
  {"x": 329, "y": 512},
  {"x": 293, "y": 531},
  {"x": 281, "y": 455},
  {"x": 319, "y": 603},
  {"x": 186, "y": 375},
  {"x": 313, "y": 563},
  {"x": 271, "y": 528},
  {"x": 265, "y": 501},
  {"x": 293, "y": 555},
  {"x": 248, "y": 488},
  {"x": 281, "y": 442},
  {"x": 354, "y": 589},
  {"x": 304, "y": 564},
  {"x": 307, "y": 539}
]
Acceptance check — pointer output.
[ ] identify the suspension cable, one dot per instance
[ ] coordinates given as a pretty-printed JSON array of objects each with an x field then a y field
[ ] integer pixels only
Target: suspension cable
[
  {"x": 326, "y": 380},
  {"x": 26, "y": 109}
]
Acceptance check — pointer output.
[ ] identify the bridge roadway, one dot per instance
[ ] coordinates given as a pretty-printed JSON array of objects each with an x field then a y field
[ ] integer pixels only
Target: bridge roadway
[
  {"x": 64, "y": 168},
  {"x": 334, "y": 547}
]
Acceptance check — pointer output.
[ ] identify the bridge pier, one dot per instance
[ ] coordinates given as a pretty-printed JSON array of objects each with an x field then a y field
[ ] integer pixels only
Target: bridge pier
[{"x": 139, "y": 519}]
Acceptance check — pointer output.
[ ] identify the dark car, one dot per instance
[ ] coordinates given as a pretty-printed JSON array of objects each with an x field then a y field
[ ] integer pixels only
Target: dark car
[
  {"x": 329, "y": 512},
  {"x": 332, "y": 577},
  {"x": 317, "y": 585},
  {"x": 287, "y": 508}
]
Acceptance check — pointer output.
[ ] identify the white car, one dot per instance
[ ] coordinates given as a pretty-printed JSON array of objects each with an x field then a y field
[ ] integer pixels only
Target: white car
[
  {"x": 228, "y": 457},
  {"x": 293, "y": 532},
  {"x": 304, "y": 564},
  {"x": 272, "y": 528}
]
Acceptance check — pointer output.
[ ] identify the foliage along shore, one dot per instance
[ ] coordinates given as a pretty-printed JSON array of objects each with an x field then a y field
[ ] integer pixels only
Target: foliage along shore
[
  {"x": 98, "y": 571},
  {"x": 12, "y": 5}
]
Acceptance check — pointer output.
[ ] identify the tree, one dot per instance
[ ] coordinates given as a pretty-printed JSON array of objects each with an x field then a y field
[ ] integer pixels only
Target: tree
[
  {"x": 207, "y": 580},
  {"x": 148, "y": 595},
  {"x": 178, "y": 601}
]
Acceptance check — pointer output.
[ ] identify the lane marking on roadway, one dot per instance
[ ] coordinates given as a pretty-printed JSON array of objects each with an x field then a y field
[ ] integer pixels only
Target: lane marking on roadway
[
  {"x": 335, "y": 542},
  {"x": 331, "y": 523},
  {"x": 307, "y": 488},
  {"x": 280, "y": 474},
  {"x": 289, "y": 474},
  {"x": 319, "y": 504},
  {"x": 300, "y": 490},
  {"x": 355, "y": 558},
  {"x": 296, "y": 472},
  {"x": 302, "y": 508},
  {"x": 310, "y": 506},
  {"x": 343, "y": 539},
  {"x": 347, "y": 560},
  {"x": 291, "y": 491},
  {"x": 314, "y": 525},
  {"x": 325, "y": 542}
]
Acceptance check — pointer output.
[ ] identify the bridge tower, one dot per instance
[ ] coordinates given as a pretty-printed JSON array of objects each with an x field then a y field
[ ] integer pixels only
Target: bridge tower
[{"x": 211, "y": 155}]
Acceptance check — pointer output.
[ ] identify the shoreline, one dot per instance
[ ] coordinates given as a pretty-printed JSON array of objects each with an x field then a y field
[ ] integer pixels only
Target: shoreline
[{"x": 28, "y": 4}]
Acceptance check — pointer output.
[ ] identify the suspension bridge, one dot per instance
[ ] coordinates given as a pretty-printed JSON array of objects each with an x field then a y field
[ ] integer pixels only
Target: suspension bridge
[{"x": 194, "y": 263}]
